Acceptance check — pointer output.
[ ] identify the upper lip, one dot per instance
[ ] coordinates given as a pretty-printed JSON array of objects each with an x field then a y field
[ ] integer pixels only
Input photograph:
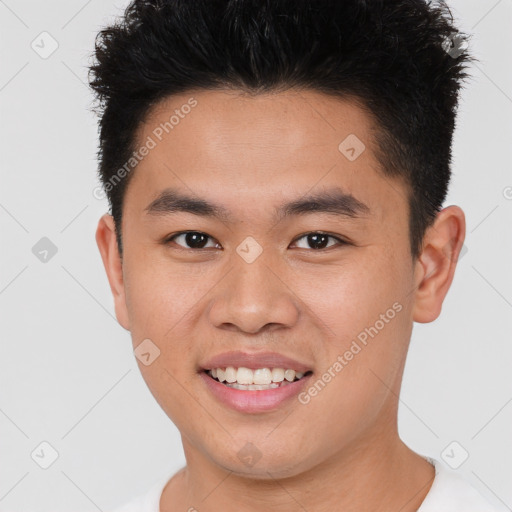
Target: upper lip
[{"x": 254, "y": 361}]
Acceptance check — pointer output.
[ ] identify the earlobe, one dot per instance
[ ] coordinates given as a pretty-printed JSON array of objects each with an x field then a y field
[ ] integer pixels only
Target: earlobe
[
  {"x": 107, "y": 245},
  {"x": 436, "y": 264}
]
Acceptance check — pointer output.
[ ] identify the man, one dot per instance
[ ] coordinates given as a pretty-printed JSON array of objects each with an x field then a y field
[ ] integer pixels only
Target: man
[{"x": 276, "y": 172}]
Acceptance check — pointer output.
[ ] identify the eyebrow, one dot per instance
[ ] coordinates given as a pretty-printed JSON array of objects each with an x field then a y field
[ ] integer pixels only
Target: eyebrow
[{"x": 333, "y": 201}]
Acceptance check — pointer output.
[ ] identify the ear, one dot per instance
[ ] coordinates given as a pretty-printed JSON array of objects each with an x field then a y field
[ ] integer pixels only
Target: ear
[
  {"x": 435, "y": 267},
  {"x": 107, "y": 244}
]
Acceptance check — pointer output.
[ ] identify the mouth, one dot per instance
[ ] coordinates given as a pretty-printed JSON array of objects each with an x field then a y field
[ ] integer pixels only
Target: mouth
[
  {"x": 259, "y": 379},
  {"x": 254, "y": 382},
  {"x": 254, "y": 391}
]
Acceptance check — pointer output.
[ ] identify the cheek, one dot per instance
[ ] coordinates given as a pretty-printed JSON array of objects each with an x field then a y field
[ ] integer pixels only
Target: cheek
[
  {"x": 362, "y": 308},
  {"x": 367, "y": 326},
  {"x": 159, "y": 294},
  {"x": 351, "y": 296},
  {"x": 174, "y": 391}
]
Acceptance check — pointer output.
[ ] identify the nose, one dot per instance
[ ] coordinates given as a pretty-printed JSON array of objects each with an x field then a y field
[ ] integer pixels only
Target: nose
[{"x": 254, "y": 297}]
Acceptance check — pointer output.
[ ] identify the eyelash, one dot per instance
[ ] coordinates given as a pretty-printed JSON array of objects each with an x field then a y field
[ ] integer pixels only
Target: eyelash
[{"x": 340, "y": 241}]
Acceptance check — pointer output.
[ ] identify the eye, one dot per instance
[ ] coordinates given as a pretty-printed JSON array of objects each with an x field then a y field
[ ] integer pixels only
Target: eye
[
  {"x": 197, "y": 240},
  {"x": 194, "y": 239},
  {"x": 319, "y": 240}
]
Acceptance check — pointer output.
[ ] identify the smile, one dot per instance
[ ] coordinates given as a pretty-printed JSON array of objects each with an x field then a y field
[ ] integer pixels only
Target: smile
[
  {"x": 254, "y": 391},
  {"x": 255, "y": 380}
]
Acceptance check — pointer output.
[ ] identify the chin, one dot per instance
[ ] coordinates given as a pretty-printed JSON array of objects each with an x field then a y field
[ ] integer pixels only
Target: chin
[{"x": 265, "y": 464}]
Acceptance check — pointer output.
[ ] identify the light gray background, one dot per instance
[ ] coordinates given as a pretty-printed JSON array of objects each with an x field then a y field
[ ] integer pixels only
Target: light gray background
[{"x": 67, "y": 372}]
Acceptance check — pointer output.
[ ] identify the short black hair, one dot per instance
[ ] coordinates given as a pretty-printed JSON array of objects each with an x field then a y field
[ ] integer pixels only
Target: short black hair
[{"x": 396, "y": 57}]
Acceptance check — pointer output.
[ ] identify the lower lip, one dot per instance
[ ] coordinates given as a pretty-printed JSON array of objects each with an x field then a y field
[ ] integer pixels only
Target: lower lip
[{"x": 254, "y": 401}]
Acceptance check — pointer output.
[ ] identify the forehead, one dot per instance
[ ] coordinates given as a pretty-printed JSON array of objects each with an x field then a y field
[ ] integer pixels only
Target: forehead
[
  {"x": 286, "y": 123},
  {"x": 260, "y": 147}
]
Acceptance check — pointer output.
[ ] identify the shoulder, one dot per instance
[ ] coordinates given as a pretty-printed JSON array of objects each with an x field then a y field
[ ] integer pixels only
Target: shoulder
[
  {"x": 147, "y": 502},
  {"x": 451, "y": 493}
]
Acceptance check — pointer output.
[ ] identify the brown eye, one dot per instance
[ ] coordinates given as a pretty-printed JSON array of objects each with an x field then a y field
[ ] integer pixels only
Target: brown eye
[
  {"x": 319, "y": 240},
  {"x": 191, "y": 239}
]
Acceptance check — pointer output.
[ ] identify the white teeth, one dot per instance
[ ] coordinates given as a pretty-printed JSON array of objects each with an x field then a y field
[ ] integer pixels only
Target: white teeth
[
  {"x": 263, "y": 377},
  {"x": 256, "y": 387},
  {"x": 277, "y": 374},
  {"x": 230, "y": 374},
  {"x": 244, "y": 376},
  {"x": 289, "y": 375}
]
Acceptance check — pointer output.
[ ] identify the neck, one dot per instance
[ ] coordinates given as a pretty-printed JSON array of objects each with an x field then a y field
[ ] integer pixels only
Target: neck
[{"x": 377, "y": 473}]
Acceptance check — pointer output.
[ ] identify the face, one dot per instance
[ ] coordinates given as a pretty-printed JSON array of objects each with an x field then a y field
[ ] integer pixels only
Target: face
[{"x": 292, "y": 244}]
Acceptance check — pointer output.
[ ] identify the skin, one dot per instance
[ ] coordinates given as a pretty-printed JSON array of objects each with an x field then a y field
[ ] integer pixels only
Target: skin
[{"x": 341, "y": 450}]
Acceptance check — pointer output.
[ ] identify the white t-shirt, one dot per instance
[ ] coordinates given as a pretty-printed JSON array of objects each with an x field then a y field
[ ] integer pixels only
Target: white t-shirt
[{"x": 448, "y": 493}]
